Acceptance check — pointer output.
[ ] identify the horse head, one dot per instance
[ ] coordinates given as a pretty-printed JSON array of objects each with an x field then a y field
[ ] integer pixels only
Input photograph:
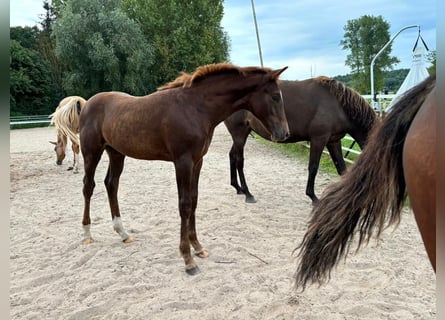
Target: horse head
[
  {"x": 59, "y": 148},
  {"x": 266, "y": 103}
]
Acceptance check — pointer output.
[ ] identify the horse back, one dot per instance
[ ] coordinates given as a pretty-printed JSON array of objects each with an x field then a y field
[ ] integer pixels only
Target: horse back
[
  {"x": 152, "y": 127},
  {"x": 312, "y": 111}
]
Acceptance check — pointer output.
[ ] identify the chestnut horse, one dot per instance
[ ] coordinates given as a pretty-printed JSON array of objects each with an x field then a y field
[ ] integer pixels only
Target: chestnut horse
[
  {"x": 319, "y": 110},
  {"x": 66, "y": 120},
  {"x": 175, "y": 124},
  {"x": 398, "y": 161}
]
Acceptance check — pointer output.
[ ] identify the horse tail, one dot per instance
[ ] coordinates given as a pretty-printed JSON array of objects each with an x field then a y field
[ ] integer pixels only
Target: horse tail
[
  {"x": 355, "y": 106},
  {"x": 66, "y": 117},
  {"x": 369, "y": 196}
]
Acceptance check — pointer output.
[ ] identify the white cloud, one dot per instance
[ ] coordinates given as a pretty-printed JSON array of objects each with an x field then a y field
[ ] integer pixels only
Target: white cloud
[
  {"x": 306, "y": 35},
  {"x": 25, "y": 12}
]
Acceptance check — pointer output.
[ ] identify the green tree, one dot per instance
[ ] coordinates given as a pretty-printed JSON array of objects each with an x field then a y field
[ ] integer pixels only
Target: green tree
[
  {"x": 31, "y": 89},
  {"x": 103, "y": 48},
  {"x": 431, "y": 57},
  {"x": 364, "y": 37},
  {"x": 185, "y": 33},
  {"x": 46, "y": 47},
  {"x": 394, "y": 79}
]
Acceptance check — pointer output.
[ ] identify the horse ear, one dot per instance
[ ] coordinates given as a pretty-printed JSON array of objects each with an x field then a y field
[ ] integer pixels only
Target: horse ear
[
  {"x": 55, "y": 143},
  {"x": 276, "y": 73}
]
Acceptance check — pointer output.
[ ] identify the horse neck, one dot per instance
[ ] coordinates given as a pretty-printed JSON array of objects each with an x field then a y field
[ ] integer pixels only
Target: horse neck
[
  {"x": 359, "y": 136},
  {"x": 225, "y": 96},
  {"x": 362, "y": 129}
]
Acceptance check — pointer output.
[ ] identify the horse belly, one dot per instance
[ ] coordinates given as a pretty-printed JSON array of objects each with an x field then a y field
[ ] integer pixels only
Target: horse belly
[
  {"x": 138, "y": 143},
  {"x": 144, "y": 151}
]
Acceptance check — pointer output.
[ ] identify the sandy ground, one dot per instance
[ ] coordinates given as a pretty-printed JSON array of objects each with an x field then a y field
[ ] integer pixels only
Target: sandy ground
[{"x": 249, "y": 273}]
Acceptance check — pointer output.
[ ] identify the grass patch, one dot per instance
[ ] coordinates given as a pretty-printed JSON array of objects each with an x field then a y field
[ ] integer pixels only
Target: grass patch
[
  {"x": 347, "y": 144},
  {"x": 300, "y": 151},
  {"x": 28, "y": 125}
]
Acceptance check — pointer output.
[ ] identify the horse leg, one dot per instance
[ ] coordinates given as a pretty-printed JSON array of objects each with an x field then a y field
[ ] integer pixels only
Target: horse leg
[
  {"x": 336, "y": 154},
  {"x": 233, "y": 172},
  {"x": 76, "y": 150},
  {"x": 315, "y": 151},
  {"x": 90, "y": 163},
  {"x": 237, "y": 163},
  {"x": 184, "y": 180},
  {"x": 199, "y": 250},
  {"x": 111, "y": 181}
]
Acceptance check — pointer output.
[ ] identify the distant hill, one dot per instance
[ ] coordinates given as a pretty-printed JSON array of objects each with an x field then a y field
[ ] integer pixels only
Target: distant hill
[{"x": 393, "y": 79}]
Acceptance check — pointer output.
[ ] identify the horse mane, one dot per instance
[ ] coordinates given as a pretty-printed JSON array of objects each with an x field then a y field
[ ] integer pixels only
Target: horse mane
[
  {"x": 355, "y": 106},
  {"x": 186, "y": 80},
  {"x": 66, "y": 117}
]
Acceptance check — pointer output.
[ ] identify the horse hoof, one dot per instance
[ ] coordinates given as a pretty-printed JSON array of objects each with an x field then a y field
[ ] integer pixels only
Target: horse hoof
[
  {"x": 87, "y": 241},
  {"x": 69, "y": 169},
  {"x": 250, "y": 199},
  {"x": 202, "y": 254},
  {"x": 192, "y": 271},
  {"x": 129, "y": 239}
]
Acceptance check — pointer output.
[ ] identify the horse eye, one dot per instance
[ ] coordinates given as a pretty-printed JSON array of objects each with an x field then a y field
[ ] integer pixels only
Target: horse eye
[{"x": 276, "y": 97}]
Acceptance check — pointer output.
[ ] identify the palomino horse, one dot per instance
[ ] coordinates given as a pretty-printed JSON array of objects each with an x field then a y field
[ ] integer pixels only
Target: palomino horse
[
  {"x": 176, "y": 124},
  {"x": 320, "y": 110},
  {"x": 399, "y": 160},
  {"x": 66, "y": 120}
]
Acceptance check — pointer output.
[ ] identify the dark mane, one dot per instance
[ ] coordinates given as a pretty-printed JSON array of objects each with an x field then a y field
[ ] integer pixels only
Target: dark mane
[
  {"x": 186, "y": 80},
  {"x": 355, "y": 106}
]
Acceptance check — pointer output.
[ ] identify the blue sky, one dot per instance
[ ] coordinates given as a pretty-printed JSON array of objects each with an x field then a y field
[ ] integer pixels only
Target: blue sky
[{"x": 302, "y": 34}]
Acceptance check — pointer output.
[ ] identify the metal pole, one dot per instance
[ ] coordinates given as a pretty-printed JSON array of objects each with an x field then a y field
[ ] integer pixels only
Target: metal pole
[
  {"x": 375, "y": 57},
  {"x": 257, "y": 34}
]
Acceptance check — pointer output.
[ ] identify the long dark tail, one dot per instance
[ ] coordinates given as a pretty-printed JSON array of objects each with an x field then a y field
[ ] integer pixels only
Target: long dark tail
[{"x": 369, "y": 196}]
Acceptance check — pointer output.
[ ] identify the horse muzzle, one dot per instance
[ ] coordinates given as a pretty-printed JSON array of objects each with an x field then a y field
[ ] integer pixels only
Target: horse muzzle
[{"x": 280, "y": 134}]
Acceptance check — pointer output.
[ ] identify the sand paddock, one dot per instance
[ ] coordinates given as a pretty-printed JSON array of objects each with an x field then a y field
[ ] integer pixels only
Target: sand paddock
[{"x": 249, "y": 273}]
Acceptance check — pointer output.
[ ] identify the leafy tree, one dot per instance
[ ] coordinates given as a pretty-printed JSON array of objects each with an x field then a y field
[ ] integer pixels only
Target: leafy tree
[
  {"x": 56, "y": 7},
  {"x": 364, "y": 37},
  {"x": 46, "y": 46},
  {"x": 31, "y": 89},
  {"x": 346, "y": 79},
  {"x": 431, "y": 57},
  {"x": 185, "y": 34},
  {"x": 103, "y": 48},
  {"x": 26, "y": 36},
  {"x": 394, "y": 79}
]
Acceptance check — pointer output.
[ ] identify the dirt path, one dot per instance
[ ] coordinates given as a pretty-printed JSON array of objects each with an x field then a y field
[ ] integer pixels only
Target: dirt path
[{"x": 249, "y": 273}]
